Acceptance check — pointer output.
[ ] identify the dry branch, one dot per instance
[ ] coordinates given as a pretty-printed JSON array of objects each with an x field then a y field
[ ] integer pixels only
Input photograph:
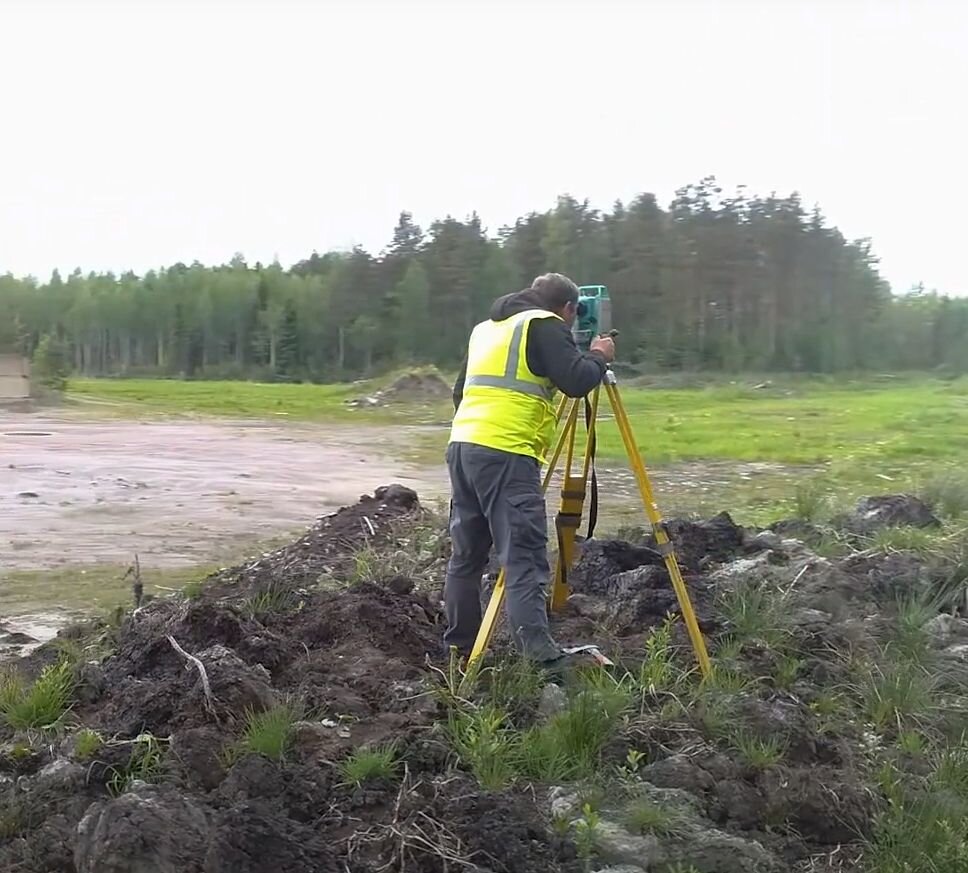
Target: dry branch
[{"x": 206, "y": 687}]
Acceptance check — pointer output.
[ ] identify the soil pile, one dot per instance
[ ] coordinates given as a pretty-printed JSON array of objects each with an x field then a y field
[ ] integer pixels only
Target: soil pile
[
  {"x": 416, "y": 387},
  {"x": 167, "y": 759}
]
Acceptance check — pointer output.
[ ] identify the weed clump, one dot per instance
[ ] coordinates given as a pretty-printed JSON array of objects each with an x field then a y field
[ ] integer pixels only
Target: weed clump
[
  {"x": 753, "y": 614},
  {"x": 811, "y": 501},
  {"x": 758, "y": 752},
  {"x": 144, "y": 765},
  {"x": 267, "y": 732},
  {"x": 87, "y": 744},
  {"x": 42, "y": 705},
  {"x": 645, "y": 816},
  {"x": 269, "y": 600},
  {"x": 369, "y": 765}
]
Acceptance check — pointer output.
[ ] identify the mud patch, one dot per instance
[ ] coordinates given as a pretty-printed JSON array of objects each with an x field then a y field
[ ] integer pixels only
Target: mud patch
[{"x": 180, "y": 493}]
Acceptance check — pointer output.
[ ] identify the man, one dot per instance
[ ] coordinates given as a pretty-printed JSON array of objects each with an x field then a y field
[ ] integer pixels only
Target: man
[{"x": 503, "y": 427}]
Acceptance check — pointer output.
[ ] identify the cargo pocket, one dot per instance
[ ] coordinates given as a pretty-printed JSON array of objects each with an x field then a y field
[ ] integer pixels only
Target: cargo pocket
[{"x": 527, "y": 520}]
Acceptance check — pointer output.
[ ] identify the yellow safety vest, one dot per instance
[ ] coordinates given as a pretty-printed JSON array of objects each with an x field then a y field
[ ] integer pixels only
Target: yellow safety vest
[{"x": 504, "y": 405}]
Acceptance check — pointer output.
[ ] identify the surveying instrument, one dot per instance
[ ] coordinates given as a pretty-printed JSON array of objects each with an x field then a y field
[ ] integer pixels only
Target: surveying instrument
[{"x": 594, "y": 319}]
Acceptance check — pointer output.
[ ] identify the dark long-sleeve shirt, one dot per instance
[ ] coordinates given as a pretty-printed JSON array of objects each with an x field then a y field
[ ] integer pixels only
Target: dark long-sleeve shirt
[{"x": 550, "y": 350}]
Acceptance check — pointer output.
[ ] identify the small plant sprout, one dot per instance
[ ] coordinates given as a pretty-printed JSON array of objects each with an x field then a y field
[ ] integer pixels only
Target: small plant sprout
[
  {"x": 629, "y": 771},
  {"x": 87, "y": 744},
  {"x": 786, "y": 671},
  {"x": 911, "y": 742},
  {"x": 587, "y": 834}
]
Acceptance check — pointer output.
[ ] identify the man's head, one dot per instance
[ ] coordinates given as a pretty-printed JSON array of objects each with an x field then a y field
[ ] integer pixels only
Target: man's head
[{"x": 558, "y": 294}]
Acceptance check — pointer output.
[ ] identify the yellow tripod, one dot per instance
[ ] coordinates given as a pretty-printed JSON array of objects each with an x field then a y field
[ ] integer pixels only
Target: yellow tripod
[{"x": 573, "y": 491}]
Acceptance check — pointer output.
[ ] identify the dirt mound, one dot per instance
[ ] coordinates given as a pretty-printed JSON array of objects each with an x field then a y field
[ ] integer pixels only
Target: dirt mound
[
  {"x": 414, "y": 387},
  {"x": 328, "y": 546},
  {"x": 889, "y": 510},
  {"x": 766, "y": 766}
]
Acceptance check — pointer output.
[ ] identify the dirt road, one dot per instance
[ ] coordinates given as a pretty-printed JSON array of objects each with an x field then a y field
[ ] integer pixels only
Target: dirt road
[{"x": 181, "y": 492}]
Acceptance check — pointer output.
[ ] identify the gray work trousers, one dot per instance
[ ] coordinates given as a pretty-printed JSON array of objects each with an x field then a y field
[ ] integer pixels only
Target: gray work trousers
[{"x": 497, "y": 499}]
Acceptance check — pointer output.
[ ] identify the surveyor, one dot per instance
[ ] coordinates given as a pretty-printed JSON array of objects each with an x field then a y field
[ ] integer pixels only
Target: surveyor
[{"x": 503, "y": 426}]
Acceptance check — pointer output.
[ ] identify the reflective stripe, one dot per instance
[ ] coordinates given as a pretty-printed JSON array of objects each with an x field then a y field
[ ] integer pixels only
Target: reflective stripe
[
  {"x": 511, "y": 384},
  {"x": 509, "y": 380}
]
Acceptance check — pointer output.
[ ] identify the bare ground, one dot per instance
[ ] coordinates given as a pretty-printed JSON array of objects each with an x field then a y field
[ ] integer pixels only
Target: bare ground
[
  {"x": 182, "y": 492},
  {"x": 179, "y": 493}
]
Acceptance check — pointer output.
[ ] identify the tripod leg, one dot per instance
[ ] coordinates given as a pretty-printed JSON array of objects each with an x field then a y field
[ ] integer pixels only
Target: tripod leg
[
  {"x": 661, "y": 537},
  {"x": 493, "y": 611}
]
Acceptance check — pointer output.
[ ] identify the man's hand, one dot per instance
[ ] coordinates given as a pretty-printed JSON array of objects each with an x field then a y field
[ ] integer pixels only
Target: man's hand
[{"x": 605, "y": 345}]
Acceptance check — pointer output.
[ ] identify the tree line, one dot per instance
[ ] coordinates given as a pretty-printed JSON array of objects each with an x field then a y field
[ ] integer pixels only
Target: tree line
[{"x": 713, "y": 282}]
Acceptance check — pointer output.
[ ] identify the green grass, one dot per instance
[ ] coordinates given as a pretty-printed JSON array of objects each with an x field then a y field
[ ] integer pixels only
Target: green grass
[
  {"x": 911, "y": 639},
  {"x": 835, "y": 439},
  {"x": 924, "y": 827},
  {"x": 565, "y": 747},
  {"x": 753, "y": 613},
  {"x": 86, "y": 588},
  {"x": 41, "y": 705},
  {"x": 758, "y": 752},
  {"x": 485, "y": 744},
  {"x": 811, "y": 500},
  {"x": 193, "y": 590},
  {"x": 513, "y": 684},
  {"x": 898, "y": 694},
  {"x": 658, "y": 672},
  {"x": 267, "y": 732},
  {"x": 786, "y": 671},
  {"x": 947, "y": 492},
  {"x": 806, "y": 422},
  {"x": 905, "y": 539},
  {"x": 369, "y": 765},
  {"x": 231, "y": 399},
  {"x": 269, "y": 601}
]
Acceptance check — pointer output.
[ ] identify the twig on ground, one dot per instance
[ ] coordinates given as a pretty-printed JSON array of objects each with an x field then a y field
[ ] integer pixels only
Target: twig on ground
[{"x": 206, "y": 687}]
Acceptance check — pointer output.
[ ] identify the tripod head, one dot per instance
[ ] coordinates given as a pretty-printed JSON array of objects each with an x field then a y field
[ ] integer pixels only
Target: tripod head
[{"x": 594, "y": 314}]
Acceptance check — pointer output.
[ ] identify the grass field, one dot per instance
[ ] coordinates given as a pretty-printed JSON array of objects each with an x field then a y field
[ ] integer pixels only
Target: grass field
[
  {"x": 844, "y": 437},
  {"x": 224, "y": 399}
]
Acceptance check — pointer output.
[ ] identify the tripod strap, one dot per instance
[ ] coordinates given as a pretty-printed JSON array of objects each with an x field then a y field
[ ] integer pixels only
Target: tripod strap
[{"x": 593, "y": 439}]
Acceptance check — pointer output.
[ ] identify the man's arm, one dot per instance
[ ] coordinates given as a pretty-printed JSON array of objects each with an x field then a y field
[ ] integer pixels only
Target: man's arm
[
  {"x": 459, "y": 384},
  {"x": 552, "y": 352}
]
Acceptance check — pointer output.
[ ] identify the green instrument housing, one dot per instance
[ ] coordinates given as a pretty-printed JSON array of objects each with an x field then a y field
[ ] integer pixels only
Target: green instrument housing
[{"x": 594, "y": 314}]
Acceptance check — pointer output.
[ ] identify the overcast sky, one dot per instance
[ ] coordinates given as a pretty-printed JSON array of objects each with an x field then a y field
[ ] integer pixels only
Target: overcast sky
[{"x": 136, "y": 134}]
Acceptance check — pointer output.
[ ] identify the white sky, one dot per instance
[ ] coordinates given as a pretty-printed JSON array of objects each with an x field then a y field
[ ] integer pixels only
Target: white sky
[{"x": 139, "y": 133}]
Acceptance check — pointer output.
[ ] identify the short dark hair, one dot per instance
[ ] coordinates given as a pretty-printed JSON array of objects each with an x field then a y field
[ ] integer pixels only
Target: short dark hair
[{"x": 555, "y": 290}]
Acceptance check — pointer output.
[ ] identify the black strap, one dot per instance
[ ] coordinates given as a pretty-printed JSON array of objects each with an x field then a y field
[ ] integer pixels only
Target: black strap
[
  {"x": 561, "y": 553},
  {"x": 592, "y": 438}
]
